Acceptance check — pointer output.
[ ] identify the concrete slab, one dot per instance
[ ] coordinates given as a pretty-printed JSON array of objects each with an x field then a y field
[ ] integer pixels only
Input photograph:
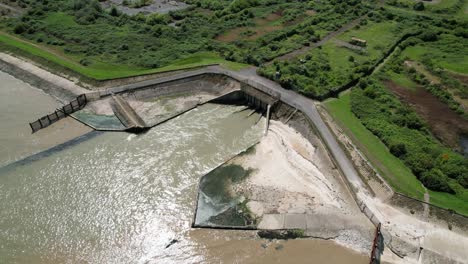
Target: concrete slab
[
  {"x": 272, "y": 222},
  {"x": 313, "y": 222},
  {"x": 295, "y": 221}
]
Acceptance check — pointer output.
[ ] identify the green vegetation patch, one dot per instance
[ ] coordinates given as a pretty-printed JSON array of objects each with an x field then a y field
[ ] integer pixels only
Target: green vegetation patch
[
  {"x": 390, "y": 167},
  {"x": 99, "y": 70},
  {"x": 326, "y": 70},
  {"x": 444, "y": 7},
  {"x": 103, "y": 44},
  {"x": 393, "y": 169},
  {"x": 407, "y": 137},
  {"x": 447, "y": 52}
]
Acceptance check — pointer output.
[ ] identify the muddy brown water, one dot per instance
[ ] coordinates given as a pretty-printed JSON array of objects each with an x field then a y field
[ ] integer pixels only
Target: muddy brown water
[
  {"x": 20, "y": 104},
  {"x": 122, "y": 198},
  {"x": 444, "y": 123}
]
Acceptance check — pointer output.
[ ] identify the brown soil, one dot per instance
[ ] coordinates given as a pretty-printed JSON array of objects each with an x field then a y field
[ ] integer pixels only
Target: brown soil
[
  {"x": 310, "y": 12},
  {"x": 444, "y": 123},
  {"x": 262, "y": 27}
]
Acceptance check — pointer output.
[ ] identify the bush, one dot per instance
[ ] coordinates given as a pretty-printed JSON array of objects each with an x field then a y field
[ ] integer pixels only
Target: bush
[
  {"x": 419, "y": 6},
  {"x": 20, "y": 28},
  {"x": 437, "y": 181},
  {"x": 398, "y": 149},
  {"x": 407, "y": 138}
]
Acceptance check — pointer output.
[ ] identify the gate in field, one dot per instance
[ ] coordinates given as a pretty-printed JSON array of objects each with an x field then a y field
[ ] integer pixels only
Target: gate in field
[{"x": 45, "y": 121}]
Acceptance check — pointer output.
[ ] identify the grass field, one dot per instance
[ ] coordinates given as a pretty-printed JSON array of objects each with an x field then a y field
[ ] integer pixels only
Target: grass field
[
  {"x": 390, "y": 167},
  {"x": 377, "y": 42},
  {"x": 104, "y": 71},
  {"x": 448, "y": 53}
]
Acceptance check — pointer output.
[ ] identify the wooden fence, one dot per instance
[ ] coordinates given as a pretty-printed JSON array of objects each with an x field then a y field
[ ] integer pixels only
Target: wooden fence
[{"x": 60, "y": 113}]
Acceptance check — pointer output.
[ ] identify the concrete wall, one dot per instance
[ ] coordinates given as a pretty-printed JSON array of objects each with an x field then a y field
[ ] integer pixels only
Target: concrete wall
[
  {"x": 215, "y": 85},
  {"x": 451, "y": 220},
  {"x": 58, "y": 92}
]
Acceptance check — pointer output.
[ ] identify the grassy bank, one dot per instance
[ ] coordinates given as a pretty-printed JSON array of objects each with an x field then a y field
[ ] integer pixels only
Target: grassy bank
[
  {"x": 393, "y": 169},
  {"x": 101, "y": 71},
  {"x": 390, "y": 167}
]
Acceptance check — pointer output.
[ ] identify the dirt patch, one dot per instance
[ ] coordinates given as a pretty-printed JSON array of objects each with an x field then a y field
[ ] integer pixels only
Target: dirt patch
[
  {"x": 421, "y": 69},
  {"x": 310, "y": 12},
  {"x": 262, "y": 27},
  {"x": 444, "y": 123}
]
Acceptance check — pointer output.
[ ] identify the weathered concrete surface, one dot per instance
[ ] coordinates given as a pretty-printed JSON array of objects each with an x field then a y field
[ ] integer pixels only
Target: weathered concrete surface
[
  {"x": 372, "y": 178},
  {"x": 295, "y": 221},
  {"x": 126, "y": 114},
  {"x": 62, "y": 89}
]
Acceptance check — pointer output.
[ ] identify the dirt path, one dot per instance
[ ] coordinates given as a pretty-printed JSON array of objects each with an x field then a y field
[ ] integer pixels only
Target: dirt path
[{"x": 306, "y": 49}]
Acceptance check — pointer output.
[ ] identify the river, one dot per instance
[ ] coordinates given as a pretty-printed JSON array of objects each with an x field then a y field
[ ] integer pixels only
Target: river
[{"x": 124, "y": 198}]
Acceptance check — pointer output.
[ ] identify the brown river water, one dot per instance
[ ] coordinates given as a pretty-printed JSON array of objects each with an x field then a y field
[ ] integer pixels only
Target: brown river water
[{"x": 123, "y": 198}]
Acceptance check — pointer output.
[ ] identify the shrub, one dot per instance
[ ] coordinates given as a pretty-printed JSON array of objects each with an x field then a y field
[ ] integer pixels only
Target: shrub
[
  {"x": 436, "y": 180},
  {"x": 419, "y": 6}
]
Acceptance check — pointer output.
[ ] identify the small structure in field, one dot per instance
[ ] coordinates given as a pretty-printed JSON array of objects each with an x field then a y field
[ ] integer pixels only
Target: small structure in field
[{"x": 358, "y": 42}]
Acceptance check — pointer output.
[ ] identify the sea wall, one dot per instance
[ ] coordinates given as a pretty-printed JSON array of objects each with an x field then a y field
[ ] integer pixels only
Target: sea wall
[{"x": 47, "y": 86}]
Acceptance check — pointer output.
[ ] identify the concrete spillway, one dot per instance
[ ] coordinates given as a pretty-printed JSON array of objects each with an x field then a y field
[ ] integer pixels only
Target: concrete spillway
[{"x": 126, "y": 114}]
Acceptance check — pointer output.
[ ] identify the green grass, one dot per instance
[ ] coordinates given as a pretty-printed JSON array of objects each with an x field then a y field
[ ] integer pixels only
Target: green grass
[
  {"x": 60, "y": 18},
  {"x": 442, "y": 5},
  {"x": 393, "y": 169},
  {"x": 456, "y": 62},
  {"x": 104, "y": 71},
  {"x": 390, "y": 167},
  {"x": 377, "y": 44},
  {"x": 458, "y": 203},
  {"x": 372, "y": 33},
  {"x": 402, "y": 80},
  {"x": 441, "y": 9}
]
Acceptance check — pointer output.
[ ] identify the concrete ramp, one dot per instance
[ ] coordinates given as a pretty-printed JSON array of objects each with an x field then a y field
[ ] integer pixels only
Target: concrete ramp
[{"x": 126, "y": 114}]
